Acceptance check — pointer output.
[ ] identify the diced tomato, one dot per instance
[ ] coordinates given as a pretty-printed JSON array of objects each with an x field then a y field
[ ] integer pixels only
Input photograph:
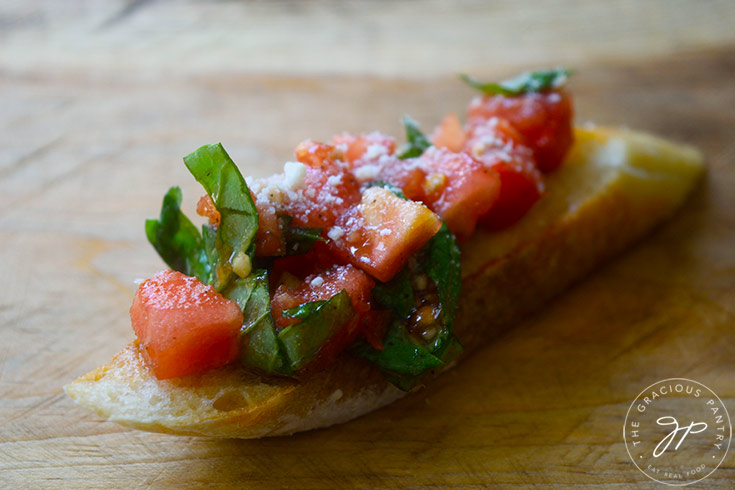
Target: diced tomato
[
  {"x": 454, "y": 185},
  {"x": 458, "y": 188},
  {"x": 449, "y": 134},
  {"x": 370, "y": 145},
  {"x": 336, "y": 191},
  {"x": 184, "y": 326},
  {"x": 544, "y": 119},
  {"x": 407, "y": 175},
  {"x": 205, "y": 207},
  {"x": 318, "y": 191},
  {"x": 499, "y": 146},
  {"x": 269, "y": 239},
  {"x": 319, "y": 258},
  {"x": 329, "y": 188},
  {"x": 316, "y": 154},
  {"x": 380, "y": 234},
  {"x": 518, "y": 193},
  {"x": 322, "y": 286}
]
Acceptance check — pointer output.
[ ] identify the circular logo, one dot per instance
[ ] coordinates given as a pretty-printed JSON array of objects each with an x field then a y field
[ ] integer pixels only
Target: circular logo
[{"x": 677, "y": 431}]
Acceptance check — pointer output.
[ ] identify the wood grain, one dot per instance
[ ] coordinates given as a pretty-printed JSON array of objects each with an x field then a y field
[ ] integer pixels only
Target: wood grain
[{"x": 88, "y": 146}]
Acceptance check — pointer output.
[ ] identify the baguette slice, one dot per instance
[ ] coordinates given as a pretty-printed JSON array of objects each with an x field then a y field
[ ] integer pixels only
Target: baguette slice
[{"x": 614, "y": 187}]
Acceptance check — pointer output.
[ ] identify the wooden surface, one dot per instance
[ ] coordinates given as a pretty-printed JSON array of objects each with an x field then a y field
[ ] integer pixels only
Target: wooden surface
[{"x": 99, "y": 102}]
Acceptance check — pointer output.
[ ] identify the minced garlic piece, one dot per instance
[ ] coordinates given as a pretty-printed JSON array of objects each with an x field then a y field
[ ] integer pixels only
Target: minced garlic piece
[{"x": 242, "y": 265}]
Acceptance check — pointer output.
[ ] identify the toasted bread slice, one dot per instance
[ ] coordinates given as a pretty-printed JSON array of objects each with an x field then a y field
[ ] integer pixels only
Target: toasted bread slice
[{"x": 614, "y": 187}]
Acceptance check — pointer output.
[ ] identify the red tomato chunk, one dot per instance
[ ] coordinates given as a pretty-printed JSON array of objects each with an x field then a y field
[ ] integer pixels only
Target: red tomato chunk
[
  {"x": 458, "y": 188},
  {"x": 184, "y": 326},
  {"x": 449, "y": 134},
  {"x": 544, "y": 119},
  {"x": 205, "y": 207},
  {"x": 368, "y": 146},
  {"x": 499, "y": 146},
  {"x": 313, "y": 191},
  {"x": 380, "y": 234}
]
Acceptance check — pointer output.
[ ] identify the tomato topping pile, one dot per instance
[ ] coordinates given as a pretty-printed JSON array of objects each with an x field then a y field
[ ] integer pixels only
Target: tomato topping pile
[{"x": 356, "y": 216}]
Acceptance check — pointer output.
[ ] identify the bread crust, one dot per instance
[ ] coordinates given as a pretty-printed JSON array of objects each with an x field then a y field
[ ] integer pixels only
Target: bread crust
[{"x": 613, "y": 188}]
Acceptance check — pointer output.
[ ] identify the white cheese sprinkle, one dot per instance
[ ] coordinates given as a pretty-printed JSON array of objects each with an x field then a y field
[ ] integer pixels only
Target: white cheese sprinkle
[
  {"x": 317, "y": 281},
  {"x": 374, "y": 151},
  {"x": 367, "y": 172},
  {"x": 336, "y": 233},
  {"x": 294, "y": 174}
]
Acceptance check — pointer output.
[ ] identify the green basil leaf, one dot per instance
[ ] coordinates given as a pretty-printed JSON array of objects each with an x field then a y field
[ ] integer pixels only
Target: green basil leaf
[
  {"x": 303, "y": 311},
  {"x": 402, "y": 354},
  {"x": 299, "y": 240},
  {"x": 177, "y": 240},
  {"x": 524, "y": 83},
  {"x": 259, "y": 344},
  {"x": 220, "y": 177},
  {"x": 416, "y": 142},
  {"x": 209, "y": 240},
  {"x": 443, "y": 266},
  {"x": 396, "y": 294},
  {"x": 302, "y": 341}
]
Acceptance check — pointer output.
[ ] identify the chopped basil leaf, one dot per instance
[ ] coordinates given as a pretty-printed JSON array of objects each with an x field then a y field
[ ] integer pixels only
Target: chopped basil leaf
[
  {"x": 396, "y": 295},
  {"x": 209, "y": 239},
  {"x": 177, "y": 240},
  {"x": 220, "y": 177},
  {"x": 443, "y": 266},
  {"x": 416, "y": 142},
  {"x": 402, "y": 353},
  {"x": 405, "y": 358},
  {"x": 302, "y": 341},
  {"x": 387, "y": 185},
  {"x": 524, "y": 83},
  {"x": 259, "y": 344},
  {"x": 299, "y": 240},
  {"x": 303, "y": 311}
]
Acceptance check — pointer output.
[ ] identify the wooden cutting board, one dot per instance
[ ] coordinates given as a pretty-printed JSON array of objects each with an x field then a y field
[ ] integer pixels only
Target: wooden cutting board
[{"x": 85, "y": 159}]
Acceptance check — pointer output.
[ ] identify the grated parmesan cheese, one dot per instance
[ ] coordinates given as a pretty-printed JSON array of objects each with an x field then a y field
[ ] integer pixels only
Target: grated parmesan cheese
[
  {"x": 336, "y": 233},
  {"x": 374, "y": 151},
  {"x": 367, "y": 173},
  {"x": 334, "y": 180},
  {"x": 294, "y": 174}
]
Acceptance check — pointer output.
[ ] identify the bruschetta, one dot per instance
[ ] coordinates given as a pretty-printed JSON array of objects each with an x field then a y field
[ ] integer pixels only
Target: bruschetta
[{"x": 365, "y": 269}]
